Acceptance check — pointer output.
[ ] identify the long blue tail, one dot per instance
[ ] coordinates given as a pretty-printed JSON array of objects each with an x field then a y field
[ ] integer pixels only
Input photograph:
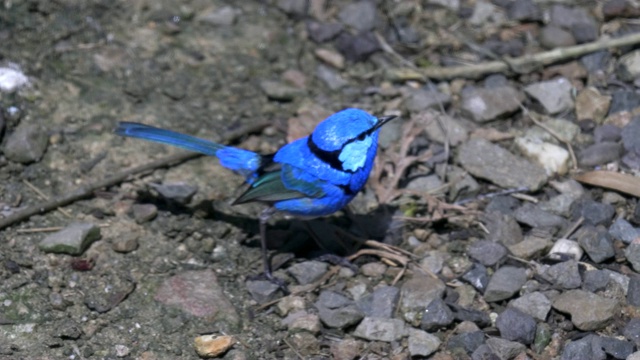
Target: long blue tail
[{"x": 242, "y": 161}]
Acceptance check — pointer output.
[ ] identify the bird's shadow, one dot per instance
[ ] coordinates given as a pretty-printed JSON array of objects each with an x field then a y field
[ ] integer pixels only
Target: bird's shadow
[{"x": 341, "y": 234}]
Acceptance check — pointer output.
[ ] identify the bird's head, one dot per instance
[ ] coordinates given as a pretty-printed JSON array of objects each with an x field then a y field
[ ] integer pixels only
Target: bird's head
[
  {"x": 346, "y": 137},
  {"x": 346, "y": 126}
]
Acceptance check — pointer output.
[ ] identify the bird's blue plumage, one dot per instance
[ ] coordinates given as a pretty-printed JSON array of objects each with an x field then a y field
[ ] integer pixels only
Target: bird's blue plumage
[{"x": 313, "y": 176}]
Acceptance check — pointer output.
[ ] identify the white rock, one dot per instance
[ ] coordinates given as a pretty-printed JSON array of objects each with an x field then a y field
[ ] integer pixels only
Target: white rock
[
  {"x": 553, "y": 158},
  {"x": 568, "y": 247},
  {"x": 12, "y": 78},
  {"x": 554, "y": 95}
]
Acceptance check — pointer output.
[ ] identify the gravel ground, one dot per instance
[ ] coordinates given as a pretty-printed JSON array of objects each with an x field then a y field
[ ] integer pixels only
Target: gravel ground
[{"x": 502, "y": 220}]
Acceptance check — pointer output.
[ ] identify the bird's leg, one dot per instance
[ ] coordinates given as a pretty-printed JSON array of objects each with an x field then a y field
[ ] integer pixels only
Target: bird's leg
[
  {"x": 264, "y": 218},
  {"x": 268, "y": 273}
]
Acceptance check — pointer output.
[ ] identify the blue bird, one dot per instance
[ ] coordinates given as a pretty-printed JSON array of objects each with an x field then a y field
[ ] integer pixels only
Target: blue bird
[{"x": 313, "y": 176}]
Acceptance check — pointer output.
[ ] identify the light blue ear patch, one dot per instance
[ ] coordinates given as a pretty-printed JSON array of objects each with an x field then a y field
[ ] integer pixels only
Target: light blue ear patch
[{"x": 354, "y": 154}]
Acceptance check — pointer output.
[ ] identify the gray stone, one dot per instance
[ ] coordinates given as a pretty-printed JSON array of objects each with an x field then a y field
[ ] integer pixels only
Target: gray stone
[
  {"x": 505, "y": 283},
  {"x": 417, "y": 293},
  {"x": 308, "y": 271},
  {"x": 73, "y": 239},
  {"x": 381, "y": 303},
  {"x": 552, "y": 37},
  {"x": 494, "y": 163},
  {"x": 566, "y": 274},
  {"x": 125, "y": 244},
  {"x": 478, "y": 317},
  {"x": 223, "y": 16},
  {"x": 631, "y": 136},
  {"x": 524, "y": 10},
  {"x": 633, "y": 292},
  {"x": 380, "y": 329},
  {"x": 576, "y": 19},
  {"x": 144, "y": 212},
  {"x": 595, "y": 280},
  {"x": 337, "y": 311},
  {"x": 594, "y": 213},
  {"x": 596, "y": 242},
  {"x": 585, "y": 348},
  {"x": 359, "y": 15},
  {"x": 26, "y": 144},
  {"x": 322, "y": 32},
  {"x": 559, "y": 205},
  {"x": 484, "y": 352},
  {"x": 530, "y": 247},
  {"x": 588, "y": 311},
  {"x": 607, "y": 132},
  {"x": 488, "y": 253},
  {"x": 503, "y": 228},
  {"x": 294, "y": 8},
  {"x": 555, "y": 96},
  {"x": 357, "y": 47},
  {"x": 619, "y": 349},
  {"x": 478, "y": 277},
  {"x": 426, "y": 183},
  {"x": 514, "y": 325},
  {"x": 531, "y": 215},
  {"x": 535, "y": 304},
  {"x": 632, "y": 331},
  {"x": 437, "y": 315},
  {"x": 504, "y": 205},
  {"x": 483, "y": 105},
  {"x": 624, "y": 100},
  {"x": 199, "y": 294},
  {"x": 330, "y": 77},
  {"x": 629, "y": 66},
  {"x": 421, "y": 343},
  {"x": 599, "y": 154},
  {"x": 463, "y": 185},
  {"x": 622, "y": 230},
  {"x": 263, "y": 291},
  {"x": 278, "y": 91},
  {"x": 468, "y": 341},
  {"x": 420, "y": 100},
  {"x": 179, "y": 192},
  {"x": 505, "y": 349},
  {"x": 596, "y": 61},
  {"x": 632, "y": 253},
  {"x": 456, "y": 133}
]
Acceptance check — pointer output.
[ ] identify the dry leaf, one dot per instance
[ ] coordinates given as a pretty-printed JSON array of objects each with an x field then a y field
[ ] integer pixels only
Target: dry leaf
[{"x": 623, "y": 183}]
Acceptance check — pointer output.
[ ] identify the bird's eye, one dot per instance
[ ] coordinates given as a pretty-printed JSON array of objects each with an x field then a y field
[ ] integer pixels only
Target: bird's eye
[{"x": 361, "y": 137}]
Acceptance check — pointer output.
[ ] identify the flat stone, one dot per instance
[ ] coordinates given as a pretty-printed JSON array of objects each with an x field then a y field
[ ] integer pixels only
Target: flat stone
[
  {"x": 144, "y": 212},
  {"x": 632, "y": 253},
  {"x": 524, "y": 10},
  {"x": 381, "y": 303},
  {"x": 599, "y": 154},
  {"x": 468, "y": 341},
  {"x": 478, "y": 277},
  {"x": 631, "y": 136},
  {"x": 488, "y": 253},
  {"x": 483, "y": 105},
  {"x": 346, "y": 349},
  {"x": 198, "y": 293},
  {"x": 437, "y": 315},
  {"x": 552, "y": 37},
  {"x": 585, "y": 348},
  {"x": 619, "y": 349},
  {"x": 632, "y": 331},
  {"x": 357, "y": 47},
  {"x": 596, "y": 242},
  {"x": 73, "y": 239},
  {"x": 380, "y": 329},
  {"x": 633, "y": 292},
  {"x": 535, "y": 304},
  {"x": 417, "y": 293},
  {"x": 623, "y": 100},
  {"x": 515, "y": 325},
  {"x": 337, "y": 311},
  {"x": 555, "y": 95},
  {"x": 494, "y": 163},
  {"x": 594, "y": 213},
  {"x": 559, "y": 205},
  {"x": 588, "y": 311},
  {"x": 503, "y": 227},
  {"x": 179, "y": 192},
  {"x": 595, "y": 280},
  {"x": 26, "y": 144},
  {"x": 308, "y": 272},
  {"x": 278, "y": 91},
  {"x": 421, "y": 100},
  {"x": 421, "y": 343},
  {"x": 456, "y": 133},
  {"x": 622, "y": 230},
  {"x": 505, "y": 349},
  {"x": 565, "y": 275},
  {"x": 330, "y": 77},
  {"x": 263, "y": 291},
  {"x": 359, "y": 15},
  {"x": 531, "y": 215},
  {"x": 322, "y": 32},
  {"x": 530, "y": 247},
  {"x": 505, "y": 283}
]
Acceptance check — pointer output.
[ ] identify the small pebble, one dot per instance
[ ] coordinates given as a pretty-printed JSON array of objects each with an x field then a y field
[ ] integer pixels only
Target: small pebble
[{"x": 211, "y": 346}]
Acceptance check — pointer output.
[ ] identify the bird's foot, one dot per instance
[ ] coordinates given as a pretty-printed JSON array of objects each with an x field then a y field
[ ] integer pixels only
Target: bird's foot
[
  {"x": 282, "y": 285},
  {"x": 338, "y": 260}
]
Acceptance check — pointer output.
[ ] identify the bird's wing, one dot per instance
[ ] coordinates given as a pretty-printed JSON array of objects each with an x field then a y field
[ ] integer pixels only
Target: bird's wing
[{"x": 270, "y": 187}]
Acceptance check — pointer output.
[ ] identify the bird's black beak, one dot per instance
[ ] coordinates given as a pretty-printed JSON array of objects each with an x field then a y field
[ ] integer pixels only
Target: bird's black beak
[{"x": 383, "y": 120}]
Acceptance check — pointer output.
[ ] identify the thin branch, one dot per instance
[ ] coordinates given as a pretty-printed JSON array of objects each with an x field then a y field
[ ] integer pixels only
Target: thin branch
[
  {"x": 521, "y": 65},
  {"x": 88, "y": 189}
]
